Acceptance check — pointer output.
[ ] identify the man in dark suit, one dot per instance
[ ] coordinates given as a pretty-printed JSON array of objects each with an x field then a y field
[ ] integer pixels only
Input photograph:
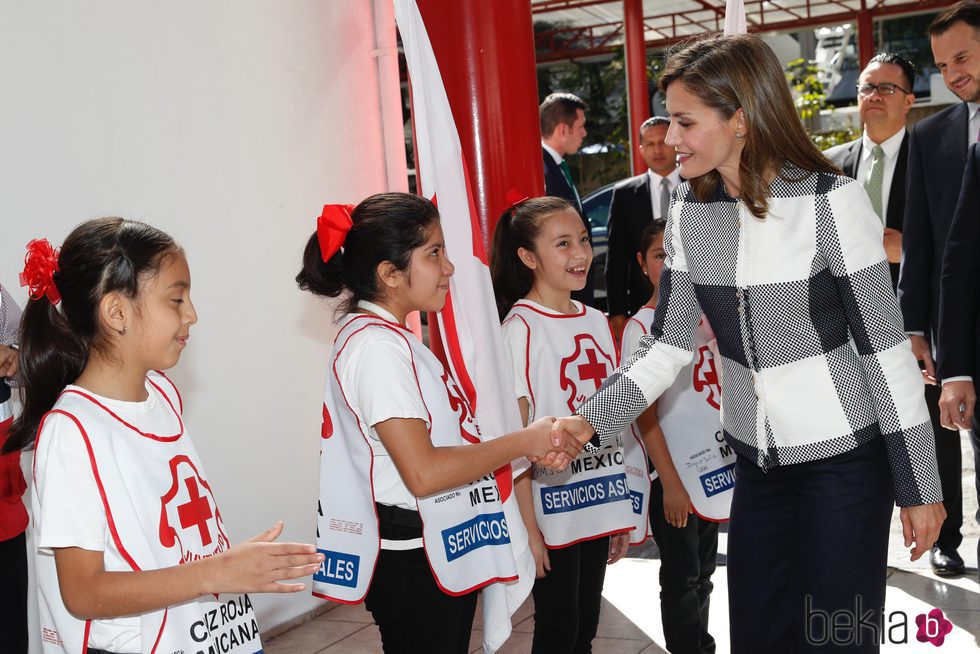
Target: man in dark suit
[
  {"x": 879, "y": 158},
  {"x": 562, "y": 132},
  {"x": 959, "y": 314},
  {"x": 937, "y": 158},
  {"x": 636, "y": 202}
]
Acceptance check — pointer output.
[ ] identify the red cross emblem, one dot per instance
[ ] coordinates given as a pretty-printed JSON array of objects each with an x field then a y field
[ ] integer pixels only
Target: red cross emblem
[
  {"x": 706, "y": 377},
  {"x": 589, "y": 366},
  {"x": 189, "y": 518},
  {"x": 468, "y": 428},
  {"x": 196, "y": 512}
]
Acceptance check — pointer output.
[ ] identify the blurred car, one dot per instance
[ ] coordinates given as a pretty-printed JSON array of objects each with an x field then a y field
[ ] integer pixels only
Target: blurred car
[{"x": 596, "y": 206}]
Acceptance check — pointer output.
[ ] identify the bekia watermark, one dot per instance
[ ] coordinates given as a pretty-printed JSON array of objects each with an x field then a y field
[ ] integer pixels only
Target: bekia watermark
[{"x": 858, "y": 625}]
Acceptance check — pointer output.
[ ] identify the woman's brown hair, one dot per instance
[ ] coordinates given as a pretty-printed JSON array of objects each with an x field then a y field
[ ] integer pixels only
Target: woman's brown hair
[{"x": 728, "y": 73}]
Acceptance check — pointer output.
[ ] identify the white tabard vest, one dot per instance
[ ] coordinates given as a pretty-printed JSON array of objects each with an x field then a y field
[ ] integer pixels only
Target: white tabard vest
[
  {"x": 689, "y": 416},
  {"x": 568, "y": 357},
  {"x": 465, "y": 534},
  {"x": 161, "y": 512}
]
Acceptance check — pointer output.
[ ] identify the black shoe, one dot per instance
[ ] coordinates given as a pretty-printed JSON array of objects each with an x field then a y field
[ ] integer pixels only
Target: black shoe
[{"x": 946, "y": 562}]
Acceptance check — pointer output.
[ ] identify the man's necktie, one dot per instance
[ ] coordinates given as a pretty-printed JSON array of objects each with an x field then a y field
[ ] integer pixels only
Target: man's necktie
[
  {"x": 664, "y": 198},
  {"x": 568, "y": 176},
  {"x": 873, "y": 183}
]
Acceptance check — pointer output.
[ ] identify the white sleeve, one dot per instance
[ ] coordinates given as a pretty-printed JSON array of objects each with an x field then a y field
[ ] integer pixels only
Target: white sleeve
[
  {"x": 380, "y": 379},
  {"x": 68, "y": 506},
  {"x": 516, "y": 341}
]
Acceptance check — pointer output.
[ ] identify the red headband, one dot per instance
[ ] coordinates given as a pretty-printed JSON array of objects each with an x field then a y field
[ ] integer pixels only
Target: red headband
[
  {"x": 332, "y": 227},
  {"x": 40, "y": 265}
]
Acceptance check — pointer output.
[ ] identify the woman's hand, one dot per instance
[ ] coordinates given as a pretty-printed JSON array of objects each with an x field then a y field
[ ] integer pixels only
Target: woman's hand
[
  {"x": 677, "y": 504},
  {"x": 619, "y": 544},
  {"x": 920, "y": 525}
]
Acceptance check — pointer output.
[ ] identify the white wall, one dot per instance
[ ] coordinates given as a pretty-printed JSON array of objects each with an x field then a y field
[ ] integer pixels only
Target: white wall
[{"x": 228, "y": 124}]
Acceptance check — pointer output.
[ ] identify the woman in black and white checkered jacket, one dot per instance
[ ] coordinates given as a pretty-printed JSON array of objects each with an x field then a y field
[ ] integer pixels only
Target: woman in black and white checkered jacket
[{"x": 822, "y": 397}]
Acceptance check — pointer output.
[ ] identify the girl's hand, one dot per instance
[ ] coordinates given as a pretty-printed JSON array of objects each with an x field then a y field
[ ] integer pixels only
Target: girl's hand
[
  {"x": 543, "y": 441},
  {"x": 619, "y": 544},
  {"x": 677, "y": 504},
  {"x": 542, "y": 564},
  {"x": 258, "y": 564},
  {"x": 8, "y": 361}
]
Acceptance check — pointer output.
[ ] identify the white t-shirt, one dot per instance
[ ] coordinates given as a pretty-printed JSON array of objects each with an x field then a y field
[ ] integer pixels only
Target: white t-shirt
[
  {"x": 379, "y": 380},
  {"x": 67, "y": 507}
]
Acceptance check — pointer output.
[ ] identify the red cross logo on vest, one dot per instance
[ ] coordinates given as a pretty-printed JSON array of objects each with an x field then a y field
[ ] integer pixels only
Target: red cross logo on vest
[
  {"x": 468, "y": 428},
  {"x": 582, "y": 372},
  {"x": 706, "y": 377},
  {"x": 196, "y": 512},
  {"x": 189, "y": 518}
]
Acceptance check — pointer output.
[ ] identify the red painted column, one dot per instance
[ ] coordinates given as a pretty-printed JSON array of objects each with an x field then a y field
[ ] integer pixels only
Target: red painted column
[
  {"x": 636, "y": 77},
  {"x": 486, "y": 56},
  {"x": 866, "y": 42}
]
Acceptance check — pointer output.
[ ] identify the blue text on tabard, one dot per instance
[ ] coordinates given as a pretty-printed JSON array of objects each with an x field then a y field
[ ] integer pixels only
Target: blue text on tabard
[
  {"x": 489, "y": 529},
  {"x": 719, "y": 480},
  {"x": 583, "y": 494},
  {"x": 338, "y": 568}
]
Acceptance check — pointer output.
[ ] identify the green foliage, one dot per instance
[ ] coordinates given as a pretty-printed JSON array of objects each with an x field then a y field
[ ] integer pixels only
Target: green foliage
[{"x": 810, "y": 99}]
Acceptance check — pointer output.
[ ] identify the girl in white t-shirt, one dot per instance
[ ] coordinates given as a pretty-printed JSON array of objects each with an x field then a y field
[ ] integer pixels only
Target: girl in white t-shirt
[
  {"x": 561, "y": 351},
  {"x": 410, "y": 515},
  {"x": 131, "y": 553},
  {"x": 688, "y": 412}
]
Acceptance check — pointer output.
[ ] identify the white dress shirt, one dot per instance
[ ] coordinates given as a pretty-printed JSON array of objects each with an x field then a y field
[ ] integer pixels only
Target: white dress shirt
[
  {"x": 654, "y": 180},
  {"x": 973, "y": 128}
]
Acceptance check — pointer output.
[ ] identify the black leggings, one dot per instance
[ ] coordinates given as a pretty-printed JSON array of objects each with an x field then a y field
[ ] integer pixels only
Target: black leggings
[
  {"x": 567, "y": 599},
  {"x": 13, "y": 596},
  {"x": 413, "y": 614}
]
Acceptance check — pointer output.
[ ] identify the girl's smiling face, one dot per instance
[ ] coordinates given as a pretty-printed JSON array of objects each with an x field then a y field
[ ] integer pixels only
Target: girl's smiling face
[
  {"x": 562, "y": 253},
  {"x": 703, "y": 139}
]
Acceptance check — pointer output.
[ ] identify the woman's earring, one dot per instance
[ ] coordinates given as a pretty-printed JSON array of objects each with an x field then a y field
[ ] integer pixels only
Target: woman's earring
[
  {"x": 739, "y": 135},
  {"x": 644, "y": 271},
  {"x": 122, "y": 332}
]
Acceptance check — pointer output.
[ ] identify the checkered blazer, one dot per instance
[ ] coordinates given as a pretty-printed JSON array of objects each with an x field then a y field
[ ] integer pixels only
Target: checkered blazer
[{"x": 814, "y": 355}]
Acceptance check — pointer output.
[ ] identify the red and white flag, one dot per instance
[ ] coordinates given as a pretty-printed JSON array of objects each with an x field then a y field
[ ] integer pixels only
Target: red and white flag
[
  {"x": 468, "y": 325},
  {"x": 735, "y": 22}
]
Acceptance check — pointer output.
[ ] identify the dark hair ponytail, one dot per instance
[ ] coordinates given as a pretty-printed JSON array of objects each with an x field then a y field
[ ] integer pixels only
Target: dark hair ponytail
[
  {"x": 518, "y": 228},
  {"x": 387, "y": 227},
  {"x": 100, "y": 256}
]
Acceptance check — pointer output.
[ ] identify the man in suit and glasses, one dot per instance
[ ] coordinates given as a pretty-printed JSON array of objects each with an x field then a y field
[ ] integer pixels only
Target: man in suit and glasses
[
  {"x": 636, "y": 202},
  {"x": 937, "y": 158},
  {"x": 562, "y": 132},
  {"x": 879, "y": 158}
]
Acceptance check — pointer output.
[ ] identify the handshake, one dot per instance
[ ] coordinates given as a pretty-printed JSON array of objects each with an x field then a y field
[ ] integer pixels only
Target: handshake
[{"x": 556, "y": 441}]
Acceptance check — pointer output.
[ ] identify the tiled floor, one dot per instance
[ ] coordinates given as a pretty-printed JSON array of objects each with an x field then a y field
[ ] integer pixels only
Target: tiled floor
[{"x": 631, "y": 622}]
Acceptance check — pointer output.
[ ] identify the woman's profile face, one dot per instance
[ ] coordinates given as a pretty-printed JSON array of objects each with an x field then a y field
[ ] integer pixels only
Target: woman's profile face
[{"x": 704, "y": 140}]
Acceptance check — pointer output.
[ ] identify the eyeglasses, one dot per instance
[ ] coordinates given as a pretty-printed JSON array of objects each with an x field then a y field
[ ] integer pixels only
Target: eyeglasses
[{"x": 885, "y": 88}]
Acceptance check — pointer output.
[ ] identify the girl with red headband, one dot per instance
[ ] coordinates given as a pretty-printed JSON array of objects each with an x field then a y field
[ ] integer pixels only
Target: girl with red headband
[
  {"x": 131, "y": 553},
  {"x": 410, "y": 516}
]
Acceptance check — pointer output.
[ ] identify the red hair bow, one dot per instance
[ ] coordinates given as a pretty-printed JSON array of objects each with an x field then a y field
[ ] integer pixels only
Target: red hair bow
[
  {"x": 332, "y": 227},
  {"x": 40, "y": 265},
  {"x": 514, "y": 198}
]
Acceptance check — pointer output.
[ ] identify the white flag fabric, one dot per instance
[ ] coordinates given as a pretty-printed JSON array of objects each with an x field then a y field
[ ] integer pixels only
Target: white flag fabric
[
  {"x": 468, "y": 325},
  {"x": 735, "y": 22}
]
